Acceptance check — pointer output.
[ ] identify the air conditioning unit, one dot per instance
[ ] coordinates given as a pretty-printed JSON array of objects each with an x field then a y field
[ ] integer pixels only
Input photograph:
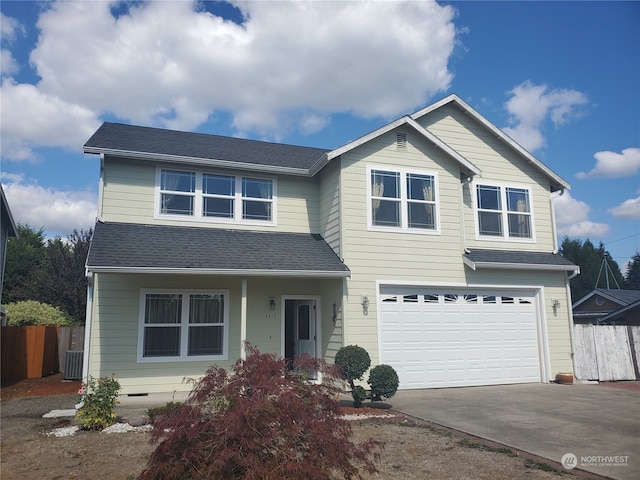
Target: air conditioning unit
[{"x": 73, "y": 365}]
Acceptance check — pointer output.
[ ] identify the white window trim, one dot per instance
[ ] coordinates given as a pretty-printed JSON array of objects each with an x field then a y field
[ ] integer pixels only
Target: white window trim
[
  {"x": 199, "y": 196},
  {"x": 185, "y": 325},
  {"x": 505, "y": 222},
  {"x": 404, "y": 220}
]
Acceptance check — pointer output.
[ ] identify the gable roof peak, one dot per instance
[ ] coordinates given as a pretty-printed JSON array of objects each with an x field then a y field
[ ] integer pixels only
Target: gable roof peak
[{"x": 557, "y": 183}]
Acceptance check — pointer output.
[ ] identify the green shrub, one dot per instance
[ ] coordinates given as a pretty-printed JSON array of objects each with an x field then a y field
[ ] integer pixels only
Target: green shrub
[
  {"x": 359, "y": 395},
  {"x": 353, "y": 362},
  {"x": 383, "y": 381},
  {"x": 98, "y": 403},
  {"x": 30, "y": 312}
]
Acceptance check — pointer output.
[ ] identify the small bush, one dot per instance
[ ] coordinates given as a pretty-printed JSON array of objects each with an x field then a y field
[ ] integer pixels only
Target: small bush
[
  {"x": 261, "y": 420},
  {"x": 383, "y": 381},
  {"x": 98, "y": 403},
  {"x": 353, "y": 362},
  {"x": 30, "y": 312},
  {"x": 359, "y": 395}
]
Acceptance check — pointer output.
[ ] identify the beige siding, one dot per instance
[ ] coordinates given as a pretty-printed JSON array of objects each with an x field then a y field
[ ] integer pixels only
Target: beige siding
[
  {"x": 375, "y": 255},
  {"x": 498, "y": 163},
  {"x": 129, "y": 196},
  {"x": 114, "y": 327},
  {"x": 329, "y": 179}
]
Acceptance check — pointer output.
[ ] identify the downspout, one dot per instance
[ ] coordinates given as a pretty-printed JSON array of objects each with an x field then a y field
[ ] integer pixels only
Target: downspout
[
  {"x": 553, "y": 223},
  {"x": 101, "y": 187},
  {"x": 87, "y": 327},
  {"x": 463, "y": 232},
  {"x": 243, "y": 320},
  {"x": 571, "y": 325}
]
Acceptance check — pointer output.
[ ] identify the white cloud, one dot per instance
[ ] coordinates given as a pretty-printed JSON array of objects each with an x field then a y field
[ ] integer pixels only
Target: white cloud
[
  {"x": 10, "y": 28},
  {"x": 289, "y": 66},
  {"x": 627, "y": 210},
  {"x": 531, "y": 105},
  {"x": 572, "y": 218},
  {"x": 614, "y": 165},
  {"x": 32, "y": 118},
  {"x": 8, "y": 65},
  {"x": 58, "y": 212}
]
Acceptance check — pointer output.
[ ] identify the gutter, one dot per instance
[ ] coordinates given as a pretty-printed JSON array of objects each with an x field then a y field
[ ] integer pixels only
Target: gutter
[
  {"x": 225, "y": 272},
  {"x": 208, "y": 162},
  {"x": 520, "y": 266}
]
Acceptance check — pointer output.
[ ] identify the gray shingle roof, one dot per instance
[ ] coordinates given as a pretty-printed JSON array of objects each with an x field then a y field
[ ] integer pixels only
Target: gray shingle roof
[
  {"x": 129, "y": 247},
  {"x": 517, "y": 257},
  {"x": 120, "y": 138},
  {"x": 624, "y": 297}
]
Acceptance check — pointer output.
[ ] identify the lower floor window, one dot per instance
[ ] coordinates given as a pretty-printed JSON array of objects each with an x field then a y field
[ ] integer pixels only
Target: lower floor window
[{"x": 178, "y": 325}]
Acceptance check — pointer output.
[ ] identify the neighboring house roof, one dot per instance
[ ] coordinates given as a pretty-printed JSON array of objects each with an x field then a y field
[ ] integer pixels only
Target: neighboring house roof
[
  {"x": 557, "y": 183},
  {"x": 621, "y": 297},
  {"x": 632, "y": 308},
  {"x": 514, "y": 259},
  {"x": 156, "y": 144},
  {"x": 138, "y": 248},
  {"x": 6, "y": 218}
]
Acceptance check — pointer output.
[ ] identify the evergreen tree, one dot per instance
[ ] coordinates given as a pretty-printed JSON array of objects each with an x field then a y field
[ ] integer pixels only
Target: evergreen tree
[
  {"x": 25, "y": 254},
  {"x": 593, "y": 270},
  {"x": 632, "y": 278},
  {"x": 62, "y": 277}
]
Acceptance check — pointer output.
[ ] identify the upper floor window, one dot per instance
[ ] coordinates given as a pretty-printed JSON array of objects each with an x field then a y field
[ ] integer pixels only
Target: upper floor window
[
  {"x": 403, "y": 200},
  {"x": 216, "y": 196},
  {"x": 504, "y": 211}
]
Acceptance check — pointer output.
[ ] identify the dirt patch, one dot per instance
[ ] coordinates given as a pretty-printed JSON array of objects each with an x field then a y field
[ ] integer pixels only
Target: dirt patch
[
  {"x": 414, "y": 449},
  {"x": 35, "y": 387}
]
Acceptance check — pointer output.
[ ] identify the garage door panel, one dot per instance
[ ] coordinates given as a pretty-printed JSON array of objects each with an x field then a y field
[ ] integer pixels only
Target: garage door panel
[{"x": 467, "y": 338}]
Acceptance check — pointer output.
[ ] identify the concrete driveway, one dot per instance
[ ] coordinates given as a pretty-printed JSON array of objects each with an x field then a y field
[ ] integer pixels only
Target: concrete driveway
[{"x": 549, "y": 420}]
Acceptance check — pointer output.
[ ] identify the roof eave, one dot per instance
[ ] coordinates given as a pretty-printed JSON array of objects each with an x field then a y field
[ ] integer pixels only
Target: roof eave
[
  {"x": 159, "y": 157},
  {"x": 519, "y": 266},
  {"x": 222, "y": 272}
]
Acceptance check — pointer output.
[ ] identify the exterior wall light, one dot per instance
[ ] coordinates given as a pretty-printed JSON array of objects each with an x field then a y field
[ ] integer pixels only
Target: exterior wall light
[{"x": 272, "y": 303}]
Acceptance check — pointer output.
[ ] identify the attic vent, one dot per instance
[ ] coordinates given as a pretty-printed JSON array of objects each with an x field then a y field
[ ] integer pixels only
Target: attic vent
[{"x": 401, "y": 140}]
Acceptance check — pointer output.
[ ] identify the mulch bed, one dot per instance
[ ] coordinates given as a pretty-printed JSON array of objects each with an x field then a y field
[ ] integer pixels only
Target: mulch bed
[{"x": 38, "y": 387}]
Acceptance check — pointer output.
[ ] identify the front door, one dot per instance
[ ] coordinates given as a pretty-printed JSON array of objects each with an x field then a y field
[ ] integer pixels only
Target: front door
[
  {"x": 300, "y": 335},
  {"x": 304, "y": 329}
]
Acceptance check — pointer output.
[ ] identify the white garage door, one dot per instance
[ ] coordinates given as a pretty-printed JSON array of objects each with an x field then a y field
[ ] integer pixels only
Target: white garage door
[{"x": 451, "y": 338}]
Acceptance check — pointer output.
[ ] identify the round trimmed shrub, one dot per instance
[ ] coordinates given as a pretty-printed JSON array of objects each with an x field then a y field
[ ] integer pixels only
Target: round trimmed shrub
[
  {"x": 30, "y": 312},
  {"x": 353, "y": 362},
  {"x": 383, "y": 381},
  {"x": 359, "y": 395}
]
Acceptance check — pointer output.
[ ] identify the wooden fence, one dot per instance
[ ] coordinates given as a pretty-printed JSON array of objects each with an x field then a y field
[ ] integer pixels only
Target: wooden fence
[
  {"x": 29, "y": 352},
  {"x": 37, "y": 351},
  {"x": 607, "y": 352}
]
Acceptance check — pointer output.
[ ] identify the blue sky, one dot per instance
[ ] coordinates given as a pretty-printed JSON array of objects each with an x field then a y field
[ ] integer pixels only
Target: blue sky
[{"x": 561, "y": 78}]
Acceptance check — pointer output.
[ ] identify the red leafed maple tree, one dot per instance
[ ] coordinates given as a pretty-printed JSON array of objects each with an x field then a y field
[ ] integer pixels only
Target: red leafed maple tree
[{"x": 263, "y": 419}]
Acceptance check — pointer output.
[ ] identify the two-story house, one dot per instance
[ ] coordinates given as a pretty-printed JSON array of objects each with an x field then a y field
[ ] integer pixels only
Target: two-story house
[{"x": 430, "y": 242}]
